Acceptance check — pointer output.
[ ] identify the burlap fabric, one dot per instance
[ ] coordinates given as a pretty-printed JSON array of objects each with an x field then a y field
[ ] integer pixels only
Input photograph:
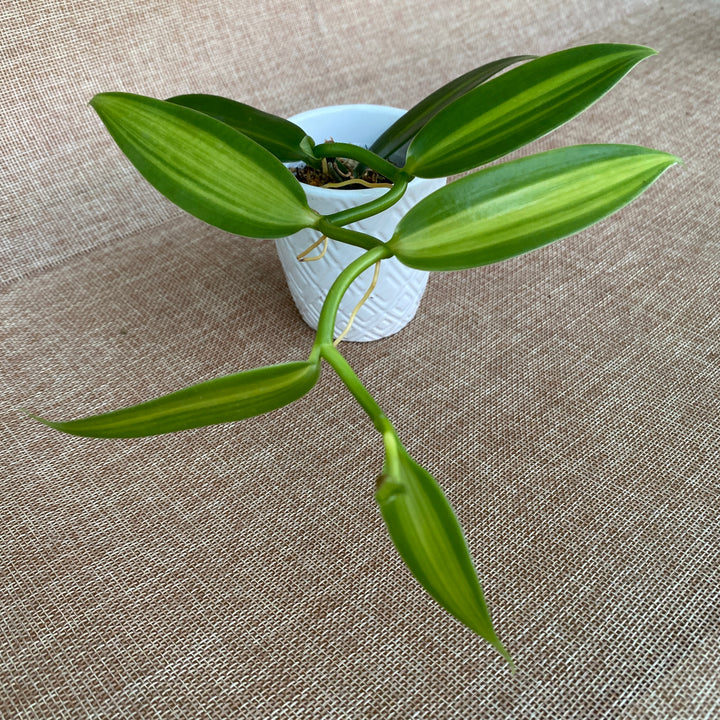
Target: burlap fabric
[{"x": 566, "y": 400}]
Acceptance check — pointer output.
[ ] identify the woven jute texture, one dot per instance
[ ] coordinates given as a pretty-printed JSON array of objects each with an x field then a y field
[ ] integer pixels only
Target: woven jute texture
[{"x": 567, "y": 400}]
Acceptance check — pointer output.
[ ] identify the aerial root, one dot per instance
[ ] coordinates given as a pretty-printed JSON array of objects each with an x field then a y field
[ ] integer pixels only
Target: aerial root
[
  {"x": 302, "y": 257},
  {"x": 357, "y": 181},
  {"x": 363, "y": 299}
]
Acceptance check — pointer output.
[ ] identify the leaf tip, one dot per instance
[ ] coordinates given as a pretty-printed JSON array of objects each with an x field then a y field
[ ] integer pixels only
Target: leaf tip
[
  {"x": 48, "y": 423},
  {"x": 643, "y": 51},
  {"x": 505, "y": 654},
  {"x": 670, "y": 160},
  {"x": 97, "y": 100},
  {"x": 101, "y": 104},
  {"x": 31, "y": 415}
]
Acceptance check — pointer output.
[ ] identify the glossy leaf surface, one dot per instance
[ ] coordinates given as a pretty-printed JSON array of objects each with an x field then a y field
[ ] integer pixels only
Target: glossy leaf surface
[
  {"x": 426, "y": 533},
  {"x": 225, "y": 399},
  {"x": 521, "y": 205},
  {"x": 285, "y": 140},
  {"x": 393, "y": 143},
  {"x": 206, "y": 167},
  {"x": 519, "y": 106}
]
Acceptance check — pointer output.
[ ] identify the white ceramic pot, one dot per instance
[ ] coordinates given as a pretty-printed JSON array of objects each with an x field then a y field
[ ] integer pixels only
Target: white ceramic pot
[{"x": 396, "y": 297}]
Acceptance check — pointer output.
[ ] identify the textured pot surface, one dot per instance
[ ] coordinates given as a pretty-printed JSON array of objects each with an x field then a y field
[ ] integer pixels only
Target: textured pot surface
[{"x": 396, "y": 297}]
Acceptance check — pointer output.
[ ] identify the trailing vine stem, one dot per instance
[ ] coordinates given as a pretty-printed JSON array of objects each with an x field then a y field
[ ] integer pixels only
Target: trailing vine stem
[
  {"x": 324, "y": 348},
  {"x": 331, "y": 305},
  {"x": 341, "y": 366},
  {"x": 362, "y": 155},
  {"x": 373, "y": 207},
  {"x": 350, "y": 237},
  {"x": 332, "y": 226}
]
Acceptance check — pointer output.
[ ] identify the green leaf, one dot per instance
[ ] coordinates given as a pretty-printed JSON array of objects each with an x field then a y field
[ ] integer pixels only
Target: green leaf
[
  {"x": 428, "y": 537},
  {"x": 285, "y": 140},
  {"x": 393, "y": 143},
  {"x": 225, "y": 399},
  {"x": 518, "y": 107},
  {"x": 521, "y": 205},
  {"x": 206, "y": 167}
]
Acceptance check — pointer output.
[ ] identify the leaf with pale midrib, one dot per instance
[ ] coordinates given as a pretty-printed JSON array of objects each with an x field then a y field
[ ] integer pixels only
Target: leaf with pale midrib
[{"x": 515, "y": 207}]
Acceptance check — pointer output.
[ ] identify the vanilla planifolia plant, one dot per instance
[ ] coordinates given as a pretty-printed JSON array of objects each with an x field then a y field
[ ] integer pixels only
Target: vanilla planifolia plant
[{"x": 227, "y": 164}]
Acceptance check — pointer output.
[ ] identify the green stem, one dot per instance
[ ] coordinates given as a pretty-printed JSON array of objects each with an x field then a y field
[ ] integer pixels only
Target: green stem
[
  {"x": 351, "y": 237},
  {"x": 355, "y": 152},
  {"x": 341, "y": 366},
  {"x": 386, "y": 200},
  {"x": 323, "y": 345},
  {"x": 331, "y": 305}
]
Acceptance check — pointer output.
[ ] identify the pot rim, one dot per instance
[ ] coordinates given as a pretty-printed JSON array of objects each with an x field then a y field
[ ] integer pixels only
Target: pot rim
[
  {"x": 354, "y": 107},
  {"x": 361, "y": 194}
]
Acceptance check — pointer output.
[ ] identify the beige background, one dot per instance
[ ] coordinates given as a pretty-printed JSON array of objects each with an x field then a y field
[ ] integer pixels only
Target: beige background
[{"x": 566, "y": 400}]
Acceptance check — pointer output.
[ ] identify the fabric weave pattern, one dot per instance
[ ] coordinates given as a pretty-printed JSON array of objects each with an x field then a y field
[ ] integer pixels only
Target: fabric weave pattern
[{"x": 566, "y": 400}]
